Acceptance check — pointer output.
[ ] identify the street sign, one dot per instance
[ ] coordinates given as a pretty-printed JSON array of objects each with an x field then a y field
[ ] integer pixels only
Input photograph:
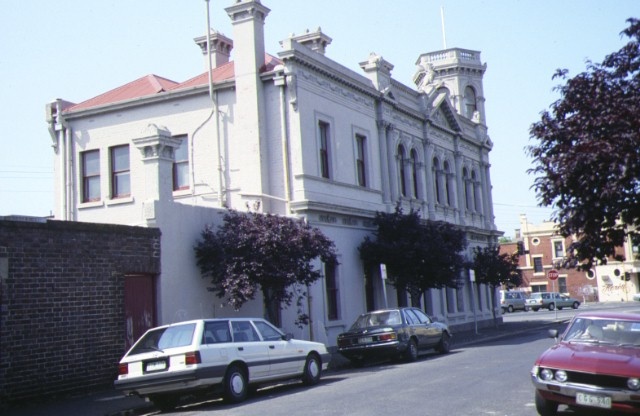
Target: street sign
[{"x": 552, "y": 274}]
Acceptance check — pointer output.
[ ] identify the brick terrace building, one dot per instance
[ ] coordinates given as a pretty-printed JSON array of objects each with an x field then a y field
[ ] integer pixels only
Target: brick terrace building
[{"x": 544, "y": 249}]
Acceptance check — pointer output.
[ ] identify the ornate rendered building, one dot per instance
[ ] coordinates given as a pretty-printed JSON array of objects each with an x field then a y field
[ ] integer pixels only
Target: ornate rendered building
[{"x": 293, "y": 133}]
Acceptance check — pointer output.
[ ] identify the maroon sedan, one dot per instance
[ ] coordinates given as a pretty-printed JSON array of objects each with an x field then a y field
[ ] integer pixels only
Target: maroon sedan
[{"x": 595, "y": 364}]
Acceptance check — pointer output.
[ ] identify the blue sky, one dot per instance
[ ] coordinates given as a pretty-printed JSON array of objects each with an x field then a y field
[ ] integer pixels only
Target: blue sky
[{"x": 77, "y": 49}]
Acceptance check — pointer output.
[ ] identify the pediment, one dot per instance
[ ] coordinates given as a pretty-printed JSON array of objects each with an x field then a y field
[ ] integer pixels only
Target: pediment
[{"x": 443, "y": 114}]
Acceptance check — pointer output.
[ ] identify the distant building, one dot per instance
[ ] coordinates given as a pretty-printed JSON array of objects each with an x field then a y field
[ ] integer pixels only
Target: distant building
[
  {"x": 544, "y": 250},
  {"x": 294, "y": 134}
]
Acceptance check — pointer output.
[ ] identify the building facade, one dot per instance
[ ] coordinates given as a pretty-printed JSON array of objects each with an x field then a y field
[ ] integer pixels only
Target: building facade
[
  {"x": 294, "y": 134},
  {"x": 545, "y": 249}
]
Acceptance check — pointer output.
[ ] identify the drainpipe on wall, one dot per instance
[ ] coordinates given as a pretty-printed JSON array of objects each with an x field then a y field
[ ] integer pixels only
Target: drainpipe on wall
[
  {"x": 61, "y": 136},
  {"x": 280, "y": 80}
]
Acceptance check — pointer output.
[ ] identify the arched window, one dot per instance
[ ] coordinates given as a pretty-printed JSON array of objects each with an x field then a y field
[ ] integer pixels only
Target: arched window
[
  {"x": 465, "y": 181},
  {"x": 436, "y": 179},
  {"x": 470, "y": 102},
  {"x": 447, "y": 190},
  {"x": 414, "y": 172},
  {"x": 473, "y": 191},
  {"x": 402, "y": 161}
]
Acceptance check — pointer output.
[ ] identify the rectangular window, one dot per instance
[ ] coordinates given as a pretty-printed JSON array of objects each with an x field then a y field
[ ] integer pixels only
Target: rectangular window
[
  {"x": 90, "y": 175},
  {"x": 558, "y": 249},
  {"x": 181, "y": 165},
  {"x": 331, "y": 284},
  {"x": 537, "y": 265},
  {"x": 323, "y": 131},
  {"x": 120, "y": 174},
  {"x": 562, "y": 284},
  {"x": 361, "y": 142}
]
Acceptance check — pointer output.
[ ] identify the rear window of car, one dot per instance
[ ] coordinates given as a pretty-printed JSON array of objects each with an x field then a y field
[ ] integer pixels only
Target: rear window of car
[
  {"x": 164, "y": 338},
  {"x": 377, "y": 319}
]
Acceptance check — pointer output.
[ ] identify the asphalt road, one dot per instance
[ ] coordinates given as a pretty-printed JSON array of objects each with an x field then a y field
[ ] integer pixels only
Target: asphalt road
[{"x": 487, "y": 378}]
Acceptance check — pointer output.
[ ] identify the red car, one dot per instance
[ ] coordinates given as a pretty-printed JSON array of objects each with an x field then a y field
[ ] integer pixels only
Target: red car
[{"x": 595, "y": 364}]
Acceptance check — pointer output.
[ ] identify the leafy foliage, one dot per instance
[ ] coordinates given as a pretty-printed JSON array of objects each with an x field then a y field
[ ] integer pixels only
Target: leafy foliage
[
  {"x": 252, "y": 252},
  {"x": 496, "y": 269},
  {"x": 587, "y": 156},
  {"x": 418, "y": 255}
]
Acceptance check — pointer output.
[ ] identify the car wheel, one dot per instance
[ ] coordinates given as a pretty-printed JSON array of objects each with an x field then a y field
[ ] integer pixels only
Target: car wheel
[
  {"x": 165, "y": 402},
  {"x": 575, "y": 305},
  {"x": 510, "y": 310},
  {"x": 412, "y": 351},
  {"x": 545, "y": 407},
  {"x": 535, "y": 309},
  {"x": 444, "y": 346},
  {"x": 312, "y": 370},
  {"x": 503, "y": 310},
  {"x": 552, "y": 306},
  {"x": 235, "y": 384}
]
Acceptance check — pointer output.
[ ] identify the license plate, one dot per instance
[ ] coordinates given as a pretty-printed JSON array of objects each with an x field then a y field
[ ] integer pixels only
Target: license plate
[
  {"x": 156, "y": 366},
  {"x": 593, "y": 400},
  {"x": 365, "y": 340}
]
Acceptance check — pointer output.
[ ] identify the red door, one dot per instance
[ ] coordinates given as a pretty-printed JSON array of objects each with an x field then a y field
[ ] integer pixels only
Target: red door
[{"x": 139, "y": 306}]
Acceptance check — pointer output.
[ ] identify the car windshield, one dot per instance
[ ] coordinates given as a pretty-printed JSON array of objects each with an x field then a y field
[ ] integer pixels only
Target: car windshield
[
  {"x": 610, "y": 331},
  {"x": 161, "y": 339},
  {"x": 377, "y": 319}
]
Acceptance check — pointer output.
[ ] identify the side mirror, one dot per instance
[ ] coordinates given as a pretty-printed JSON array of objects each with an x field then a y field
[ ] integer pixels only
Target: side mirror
[
  {"x": 553, "y": 333},
  {"x": 287, "y": 337}
]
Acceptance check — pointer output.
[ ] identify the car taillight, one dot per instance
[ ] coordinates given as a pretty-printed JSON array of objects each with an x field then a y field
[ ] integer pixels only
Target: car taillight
[
  {"x": 387, "y": 337},
  {"x": 192, "y": 358},
  {"x": 123, "y": 369}
]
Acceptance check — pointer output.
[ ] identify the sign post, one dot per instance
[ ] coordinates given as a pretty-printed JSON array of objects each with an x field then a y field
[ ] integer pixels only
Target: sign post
[
  {"x": 383, "y": 276},
  {"x": 472, "y": 280},
  {"x": 553, "y": 276}
]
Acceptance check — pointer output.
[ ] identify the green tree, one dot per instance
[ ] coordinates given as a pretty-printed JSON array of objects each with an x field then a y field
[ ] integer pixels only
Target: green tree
[
  {"x": 496, "y": 269},
  {"x": 587, "y": 156},
  {"x": 419, "y": 255},
  {"x": 252, "y": 252}
]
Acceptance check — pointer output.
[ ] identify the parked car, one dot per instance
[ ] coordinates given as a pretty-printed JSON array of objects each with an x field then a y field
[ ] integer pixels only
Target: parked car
[
  {"x": 224, "y": 355},
  {"x": 513, "y": 300},
  {"x": 595, "y": 364},
  {"x": 401, "y": 332},
  {"x": 551, "y": 300}
]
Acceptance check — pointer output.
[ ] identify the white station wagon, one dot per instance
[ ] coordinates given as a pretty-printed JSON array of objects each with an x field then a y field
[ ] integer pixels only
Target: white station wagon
[{"x": 216, "y": 355}]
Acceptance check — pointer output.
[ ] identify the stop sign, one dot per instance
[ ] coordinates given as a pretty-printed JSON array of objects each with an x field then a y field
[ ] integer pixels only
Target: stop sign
[{"x": 552, "y": 274}]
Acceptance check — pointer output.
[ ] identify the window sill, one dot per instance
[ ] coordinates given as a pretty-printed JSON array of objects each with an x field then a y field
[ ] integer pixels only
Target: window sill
[
  {"x": 120, "y": 201},
  {"x": 93, "y": 204},
  {"x": 181, "y": 192}
]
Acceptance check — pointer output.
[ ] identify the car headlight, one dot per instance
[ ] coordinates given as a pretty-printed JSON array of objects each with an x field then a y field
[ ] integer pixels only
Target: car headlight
[
  {"x": 633, "y": 384},
  {"x": 561, "y": 376},
  {"x": 546, "y": 374}
]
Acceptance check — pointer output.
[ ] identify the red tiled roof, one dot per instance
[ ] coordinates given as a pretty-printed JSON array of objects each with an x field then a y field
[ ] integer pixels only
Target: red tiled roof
[
  {"x": 147, "y": 85},
  {"x": 153, "y": 84}
]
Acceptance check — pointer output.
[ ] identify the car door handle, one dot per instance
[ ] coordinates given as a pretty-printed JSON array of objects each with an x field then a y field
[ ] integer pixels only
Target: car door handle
[
  {"x": 240, "y": 348},
  {"x": 273, "y": 347}
]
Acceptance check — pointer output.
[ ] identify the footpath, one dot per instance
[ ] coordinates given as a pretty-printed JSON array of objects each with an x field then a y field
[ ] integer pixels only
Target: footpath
[{"x": 112, "y": 403}]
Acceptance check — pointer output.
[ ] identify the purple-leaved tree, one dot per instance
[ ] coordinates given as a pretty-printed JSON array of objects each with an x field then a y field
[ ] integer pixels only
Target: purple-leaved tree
[
  {"x": 587, "y": 156},
  {"x": 253, "y": 252}
]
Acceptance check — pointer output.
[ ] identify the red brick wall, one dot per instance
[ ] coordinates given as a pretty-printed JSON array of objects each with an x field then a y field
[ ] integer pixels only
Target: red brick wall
[
  {"x": 61, "y": 303},
  {"x": 575, "y": 280}
]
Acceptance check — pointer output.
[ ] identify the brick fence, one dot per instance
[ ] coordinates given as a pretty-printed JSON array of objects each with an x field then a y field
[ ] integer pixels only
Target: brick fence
[{"x": 62, "y": 325}]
